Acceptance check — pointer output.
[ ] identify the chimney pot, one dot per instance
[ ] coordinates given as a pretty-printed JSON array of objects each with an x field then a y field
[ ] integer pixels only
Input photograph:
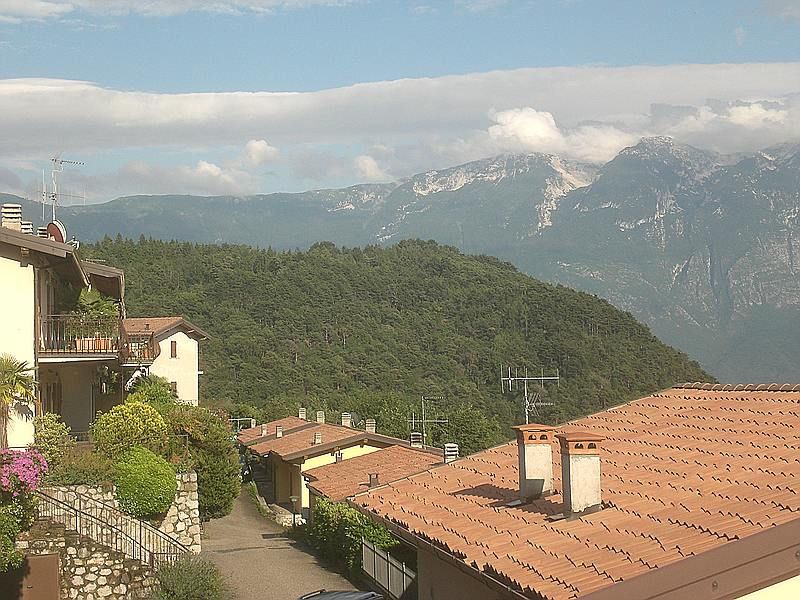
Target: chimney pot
[
  {"x": 320, "y": 416},
  {"x": 370, "y": 425},
  {"x": 263, "y": 429},
  {"x": 252, "y": 423},
  {"x": 317, "y": 438},
  {"x": 534, "y": 445},
  {"x": 347, "y": 419},
  {"x": 416, "y": 439},
  {"x": 301, "y": 412},
  {"x": 450, "y": 453},
  {"x": 580, "y": 470},
  {"x": 373, "y": 480},
  {"x": 339, "y": 457},
  {"x": 278, "y": 431}
]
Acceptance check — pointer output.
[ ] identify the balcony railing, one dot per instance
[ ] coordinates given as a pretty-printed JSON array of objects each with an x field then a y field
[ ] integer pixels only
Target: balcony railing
[{"x": 78, "y": 335}]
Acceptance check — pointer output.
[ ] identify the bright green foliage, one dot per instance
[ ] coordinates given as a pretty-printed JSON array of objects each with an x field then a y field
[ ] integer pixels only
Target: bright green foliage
[
  {"x": 10, "y": 557},
  {"x": 82, "y": 467},
  {"x": 213, "y": 455},
  {"x": 17, "y": 384},
  {"x": 146, "y": 484},
  {"x": 52, "y": 438},
  {"x": 92, "y": 303},
  {"x": 191, "y": 577},
  {"x": 152, "y": 390},
  {"x": 370, "y": 330},
  {"x": 128, "y": 425},
  {"x": 336, "y": 532}
]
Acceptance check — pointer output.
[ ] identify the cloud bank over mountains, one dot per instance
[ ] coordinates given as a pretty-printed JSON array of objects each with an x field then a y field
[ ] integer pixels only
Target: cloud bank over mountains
[{"x": 391, "y": 129}]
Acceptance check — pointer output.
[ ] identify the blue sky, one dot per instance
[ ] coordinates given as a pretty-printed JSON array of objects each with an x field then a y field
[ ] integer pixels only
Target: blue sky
[{"x": 138, "y": 130}]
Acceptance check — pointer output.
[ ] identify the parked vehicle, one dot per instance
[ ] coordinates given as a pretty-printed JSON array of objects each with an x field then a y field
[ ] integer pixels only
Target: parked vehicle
[{"x": 325, "y": 595}]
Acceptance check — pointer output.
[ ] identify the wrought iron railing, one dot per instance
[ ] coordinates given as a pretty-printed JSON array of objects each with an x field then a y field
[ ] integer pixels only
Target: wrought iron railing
[
  {"x": 112, "y": 528},
  {"x": 78, "y": 334},
  {"x": 139, "y": 348}
]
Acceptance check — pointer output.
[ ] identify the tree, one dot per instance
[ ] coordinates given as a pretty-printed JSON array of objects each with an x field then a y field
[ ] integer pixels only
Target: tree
[{"x": 17, "y": 384}]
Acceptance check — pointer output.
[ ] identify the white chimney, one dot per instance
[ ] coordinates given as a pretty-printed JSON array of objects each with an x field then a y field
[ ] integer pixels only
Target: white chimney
[
  {"x": 278, "y": 431},
  {"x": 580, "y": 471},
  {"x": 416, "y": 439},
  {"x": 317, "y": 438},
  {"x": 42, "y": 233},
  {"x": 450, "y": 453},
  {"x": 11, "y": 216},
  {"x": 263, "y": 429},
  {"x": 26, "y": 227},
  {"x": 370, "y": 425},
  {"x": 347, "y": 419},
  {"x": 320, "y": 416},
  {"x": 301, "y": 412},
  {"x": 339, "y": 457},
  {"x": 535, "y": 448}
]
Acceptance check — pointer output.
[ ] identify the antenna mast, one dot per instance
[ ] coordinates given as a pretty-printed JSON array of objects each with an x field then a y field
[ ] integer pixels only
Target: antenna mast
[
  {"x": 532, "y": 400},
  {"x": 58, "y": 167},
  {"x": 413, "y": 421}
]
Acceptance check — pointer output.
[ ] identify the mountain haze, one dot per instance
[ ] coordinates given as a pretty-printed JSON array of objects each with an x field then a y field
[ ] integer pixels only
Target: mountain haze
[{"x": 702, "y": 247}]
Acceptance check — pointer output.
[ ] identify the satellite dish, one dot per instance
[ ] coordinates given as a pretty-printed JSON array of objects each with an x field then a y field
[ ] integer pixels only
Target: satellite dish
[{"x": 56, "y": 231}]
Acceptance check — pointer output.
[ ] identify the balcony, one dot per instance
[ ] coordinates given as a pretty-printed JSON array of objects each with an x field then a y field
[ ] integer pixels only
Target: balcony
[{"x": 78, "y": 337}]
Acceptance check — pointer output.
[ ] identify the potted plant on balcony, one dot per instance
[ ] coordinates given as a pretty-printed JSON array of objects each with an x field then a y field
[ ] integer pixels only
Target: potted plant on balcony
[{"x": 97, "y": 323}]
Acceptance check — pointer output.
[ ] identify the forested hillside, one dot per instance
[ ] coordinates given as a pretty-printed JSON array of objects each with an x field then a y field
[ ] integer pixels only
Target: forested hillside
[{"x": 371, "y": 330}]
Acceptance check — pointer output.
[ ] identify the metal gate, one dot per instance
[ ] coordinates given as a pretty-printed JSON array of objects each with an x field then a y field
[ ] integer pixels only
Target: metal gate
[{"x": 36, "y": 579}]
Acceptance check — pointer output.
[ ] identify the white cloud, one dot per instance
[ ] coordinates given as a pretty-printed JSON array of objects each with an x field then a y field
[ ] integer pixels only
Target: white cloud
[
  {"x": 258, "y": 152},
  {"x": 19, "y": 10},
  {"x": 788, "y": 9},
  {"x": 479, "y": 5},
  {"x": 367, "y": 169}
]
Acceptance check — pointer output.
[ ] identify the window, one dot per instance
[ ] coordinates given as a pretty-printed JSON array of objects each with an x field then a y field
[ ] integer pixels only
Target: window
[
  {"x": 173, "y": 349},
  {"x": 173, "y": 385}
]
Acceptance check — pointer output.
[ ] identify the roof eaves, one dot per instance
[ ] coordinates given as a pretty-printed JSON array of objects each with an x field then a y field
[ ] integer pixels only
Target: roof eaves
[
  {"x": 728, "y": 571},
  {"x": 316, "y": 450},
  {"x": 272, "y": 435}
]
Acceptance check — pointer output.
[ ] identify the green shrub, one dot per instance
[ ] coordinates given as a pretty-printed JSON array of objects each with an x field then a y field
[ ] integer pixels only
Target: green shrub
[
  {"x": 10, "y": 557},
  {"x": 191, "y": 577},
  {"x": 153, "y": 390},
  {"x": 336, "y": 532},
  {"x": 212, "y": 454},
  {"x": 82, "y": 467},
  {"x": 146, "y": 484},
  {"x": 53, "y": 438},
  {"x": 129, "y": 425}
]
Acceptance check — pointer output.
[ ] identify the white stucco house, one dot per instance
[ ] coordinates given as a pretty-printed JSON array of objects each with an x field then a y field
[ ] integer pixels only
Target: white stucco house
[
  {"x": 177, "y": 357},
  {"x": 82, "y": 362}
]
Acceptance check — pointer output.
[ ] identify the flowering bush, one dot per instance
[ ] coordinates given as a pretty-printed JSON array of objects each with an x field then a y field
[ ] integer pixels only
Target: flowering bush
[{"x": 20, "y": 472}]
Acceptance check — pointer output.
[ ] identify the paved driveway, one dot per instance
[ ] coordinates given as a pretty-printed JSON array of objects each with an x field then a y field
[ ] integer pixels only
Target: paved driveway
[{"x": 260, "y": 562}]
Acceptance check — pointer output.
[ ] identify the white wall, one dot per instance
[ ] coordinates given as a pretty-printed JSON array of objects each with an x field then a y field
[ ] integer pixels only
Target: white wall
[
  {"x": 17, "y": 325},
  {"x": 790, "y": 588},
  {"x": 181, "y": 369}
]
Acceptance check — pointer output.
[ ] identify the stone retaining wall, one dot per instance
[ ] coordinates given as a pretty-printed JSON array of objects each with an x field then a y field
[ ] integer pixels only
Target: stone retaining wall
[
  {"x": 182, "y": 520},
  {"x": 88, "y": 570}
]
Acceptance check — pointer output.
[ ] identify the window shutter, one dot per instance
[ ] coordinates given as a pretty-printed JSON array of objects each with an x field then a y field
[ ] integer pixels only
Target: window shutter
[{"x": 173, "y": 349}]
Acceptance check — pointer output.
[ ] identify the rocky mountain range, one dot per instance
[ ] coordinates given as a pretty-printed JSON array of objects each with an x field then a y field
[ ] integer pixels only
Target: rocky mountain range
[{"x": 704, "y": 248}]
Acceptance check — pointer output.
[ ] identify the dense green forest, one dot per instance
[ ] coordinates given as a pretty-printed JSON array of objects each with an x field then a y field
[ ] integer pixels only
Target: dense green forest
[{"x": 370, "y": 330}]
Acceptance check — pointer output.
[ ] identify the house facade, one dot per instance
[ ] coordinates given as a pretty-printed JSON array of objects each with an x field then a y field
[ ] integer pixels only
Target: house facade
[{"x": 82, "y": 359}]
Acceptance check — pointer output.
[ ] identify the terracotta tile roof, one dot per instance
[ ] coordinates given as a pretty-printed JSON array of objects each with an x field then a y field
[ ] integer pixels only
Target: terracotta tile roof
[
  {"x": 253, "y": 433},
  {"x": 683, "y": 471},
  {"x": 302, "y": 440},
  {"x": 157, "y": 325},
  {"x": 340, "y": 480}
]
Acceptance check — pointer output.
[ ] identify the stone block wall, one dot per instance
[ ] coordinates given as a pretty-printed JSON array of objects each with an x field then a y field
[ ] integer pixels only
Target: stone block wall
[
  {"x": 182, "y": 520},
  {"x": 88, "y": 571}
]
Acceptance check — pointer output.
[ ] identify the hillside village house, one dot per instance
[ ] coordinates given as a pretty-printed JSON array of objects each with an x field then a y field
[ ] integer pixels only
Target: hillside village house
[
  {"x": 82, "y": 362},
  {"x": 692, "y": 492},
  {"x": 289, "y": 448}
]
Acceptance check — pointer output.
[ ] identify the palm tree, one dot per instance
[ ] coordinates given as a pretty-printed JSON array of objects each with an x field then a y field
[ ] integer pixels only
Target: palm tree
[{"x": 17, "y": 384}]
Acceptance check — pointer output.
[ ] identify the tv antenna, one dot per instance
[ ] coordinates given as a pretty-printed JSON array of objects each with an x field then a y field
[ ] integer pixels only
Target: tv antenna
[
  {"x": 58, "y": 167},
  {"x": 533, "y": 400},
  {"x": 422, "y": 421}
]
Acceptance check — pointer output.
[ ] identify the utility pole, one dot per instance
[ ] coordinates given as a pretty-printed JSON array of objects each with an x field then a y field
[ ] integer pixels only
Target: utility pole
[{"x": 532, "y": 400}]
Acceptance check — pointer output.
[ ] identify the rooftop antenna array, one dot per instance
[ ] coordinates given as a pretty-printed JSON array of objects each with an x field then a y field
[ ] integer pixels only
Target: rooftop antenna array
[
  {"x": 533, "y": 400},
  {"x": 422, "y": 421},
  {"x": 58, "y": 167}
]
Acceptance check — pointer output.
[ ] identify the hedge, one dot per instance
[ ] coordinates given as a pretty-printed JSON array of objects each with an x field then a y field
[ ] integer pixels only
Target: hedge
[{"x": 146, "y": 484}]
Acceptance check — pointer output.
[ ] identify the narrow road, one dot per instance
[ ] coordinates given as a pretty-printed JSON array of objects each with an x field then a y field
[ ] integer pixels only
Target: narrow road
[{"x": 260, "y": 562}]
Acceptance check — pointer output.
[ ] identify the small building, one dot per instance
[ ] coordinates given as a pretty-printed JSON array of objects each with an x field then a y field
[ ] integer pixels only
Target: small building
[
  {"x": 177, "y": 352},
  {"x": 691, "y": 492}
]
